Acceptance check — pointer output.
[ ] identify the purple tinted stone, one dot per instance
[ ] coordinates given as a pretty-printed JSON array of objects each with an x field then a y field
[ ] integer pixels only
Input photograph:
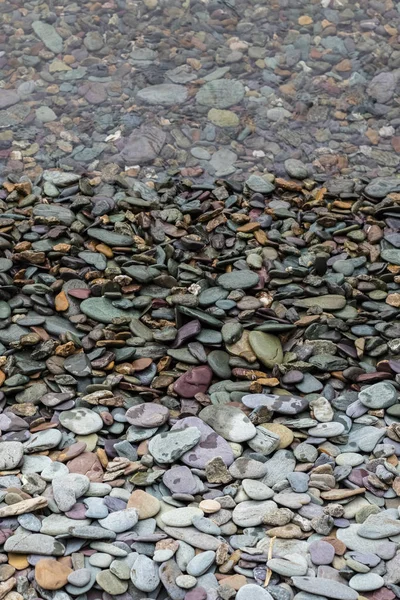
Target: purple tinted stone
[
  {"x": 356, "y": 409},
  {"x": 147, "y": 375},
  {"x": 78, "y": 511},
  {"x": 293, "y": 377},
  {"x": 315, "y": 440},
  {"x": 309, "y": 511},
  {"x": 66, "y": 405},
  {"x": 180, "y": 480},
  {"x": 186, "y": 332},
  {"x": 347, "y": 349},
  {"x": 147, "y": 415},
  {"x": 195, "y": 381},
  {"x": 210, "y": 445},
  {"x": 357, "y": 476},
  {"x": 199, "y": 593},
  {"x": 211, "y": 495},
  {"x": 394, "y": 365},
  {"x": 114, "y": 504},
  {"x": 11, "y": 422},
  {"x": 377, "y": 492},
  {"x": 366, "y": 558},
  {"x": 341, "y": 523},
  {"x": 109, "y": 448},
  {"x": 327, "y": 572},
  {"x": 322, "y": 553},
  {"x": 16, "y": 436}
]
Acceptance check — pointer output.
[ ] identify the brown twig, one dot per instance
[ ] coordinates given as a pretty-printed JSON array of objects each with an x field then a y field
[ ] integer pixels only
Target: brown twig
[{"x": 269, "y": 572}]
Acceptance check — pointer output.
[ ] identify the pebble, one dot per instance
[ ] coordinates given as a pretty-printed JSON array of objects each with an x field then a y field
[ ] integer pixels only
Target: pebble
[
  {"x": 146, "y": 505},
  {"x": 168, "y": 447},
  {"x": 81, "y": 421},
  {"x": 253, "y": 591},
  {"x": 51, "y": 574},
  {"x": 229, "y": 422},
  {"x": 322, "y": 553},
  {"x": 120, "y": 520},
  {"x": 144, "y": 574},
  {"x": 366, "y": 582},
  {"x": 292, "y": 565},
  {"x": 250, "y": 513},
  {"x": 325, "y": 587},
  {"x": 200, "y": 563},
  {"x": 181, "y": 517},
  {"x": 11, "y": 454}
]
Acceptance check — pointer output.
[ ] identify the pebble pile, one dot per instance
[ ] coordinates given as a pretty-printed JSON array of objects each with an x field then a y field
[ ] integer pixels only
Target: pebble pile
[{"x": 200, "y": 388}]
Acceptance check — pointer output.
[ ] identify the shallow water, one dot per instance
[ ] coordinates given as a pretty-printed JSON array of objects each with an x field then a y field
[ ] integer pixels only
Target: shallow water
[{"x": 317, "y": 81}]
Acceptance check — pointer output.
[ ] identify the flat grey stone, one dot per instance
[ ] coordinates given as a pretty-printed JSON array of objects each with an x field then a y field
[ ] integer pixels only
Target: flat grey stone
[
  {"x": 325, "y": 587},
  {"x": 291, "y": 565},
  {"x": 120, "y": 520},
  {"x": 379, "y": 395},
  {"x": 68, "y": 488},
  {"x": 238, "y": 280},
  {"x": 144, "y": 574},
  {"x": 250, "y": 513},
  {"x": 181, "y": 517},
  {"x": 365, "y": 438},
  {"x": 91, "y": 532},
  {"x": 79, "y": 578},
  {"x": 165, "y": 94},
  {"x": 193, "y": 537},
  {"x": 81, "y": 421},
  {"x": 54, "y": 211},
  {"x": 264, "y": 442},
  {"x": 229, "y": 422},
  {"x": 59, "y": 524},
  {"x": 382, "y": 186},
  {"x": 256, "y": 490},
  {"x": 379, "y": 526},
  {"x": 170, "y": 446},
  {"x": 253, "y": 592},
  {"x": 350, "y": 537},
  {"x": 201, "y": 563},
  {"x": 326, "y": 430},
  {"x": 110, "y": 583},
  {"x": 257, "y": 183},
  {"x": 366, "y": 582},
  {"x": 285, "y": 404},
  {"x": 11, "y": 454},
  {"x": 295, "y": 168},
  {"x": 279, "y": 465},
  {"x": 43, "y": 440},
  {"x": 31, "y": 543}
]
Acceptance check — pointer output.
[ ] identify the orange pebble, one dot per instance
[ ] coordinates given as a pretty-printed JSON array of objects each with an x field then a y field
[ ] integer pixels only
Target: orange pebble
[{"x": 61, "y": 302}]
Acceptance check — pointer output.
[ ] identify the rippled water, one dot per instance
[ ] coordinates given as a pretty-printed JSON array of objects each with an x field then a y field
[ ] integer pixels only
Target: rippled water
[{"x": 201, "y": 88}]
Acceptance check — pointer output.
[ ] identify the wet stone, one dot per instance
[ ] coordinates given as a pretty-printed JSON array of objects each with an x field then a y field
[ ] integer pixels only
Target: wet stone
[
  {"x": 238, "y": 280},
  {"x": 221, "y": 93}
]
